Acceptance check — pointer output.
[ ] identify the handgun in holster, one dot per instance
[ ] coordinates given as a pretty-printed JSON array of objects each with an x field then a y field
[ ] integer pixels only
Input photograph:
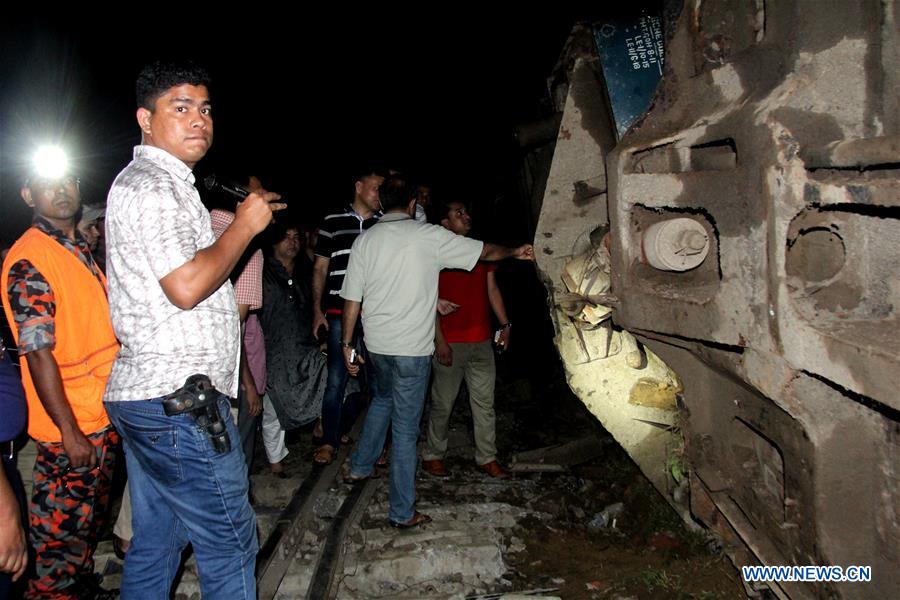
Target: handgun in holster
[{"x": 199, "y": 398}]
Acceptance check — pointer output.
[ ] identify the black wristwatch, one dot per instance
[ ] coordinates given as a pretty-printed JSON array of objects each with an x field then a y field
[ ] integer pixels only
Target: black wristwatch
[{"x": 347, "y": 345}]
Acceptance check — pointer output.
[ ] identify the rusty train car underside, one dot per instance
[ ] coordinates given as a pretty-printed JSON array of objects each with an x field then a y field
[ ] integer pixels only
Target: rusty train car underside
[{"x": 753, "y": 372}]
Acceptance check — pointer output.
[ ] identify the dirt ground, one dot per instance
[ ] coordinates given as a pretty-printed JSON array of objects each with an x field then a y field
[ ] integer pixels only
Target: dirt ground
[{"x": 648, "y": 553}]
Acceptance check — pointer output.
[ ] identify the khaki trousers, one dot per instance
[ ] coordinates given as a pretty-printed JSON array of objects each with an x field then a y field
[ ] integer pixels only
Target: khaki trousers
[{"x": 473, "y": 362}]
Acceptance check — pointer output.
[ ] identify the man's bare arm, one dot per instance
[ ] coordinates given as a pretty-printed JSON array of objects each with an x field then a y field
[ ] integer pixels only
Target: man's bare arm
[
  {"x": 348, "y": 325},
  {"x": 198, "y": 278},
  {"x": 13, "y": 550},
  {"x": 49, "y": 386},
  {"x": 492, "y": 252},
  {"x": 499, "y": 307},
  {"x": 442, "y": 350},
  {"x": 496, "y": 298},
  {"x": 254, "y": 403},
  {"x": 320, "y": 273}
]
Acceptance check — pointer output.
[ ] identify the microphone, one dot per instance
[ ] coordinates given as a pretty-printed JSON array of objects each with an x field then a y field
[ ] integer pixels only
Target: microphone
[{"x": 213, "y": 184}]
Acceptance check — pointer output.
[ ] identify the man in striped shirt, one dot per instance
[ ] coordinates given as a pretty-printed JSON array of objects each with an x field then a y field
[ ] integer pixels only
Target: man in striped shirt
[{"x": 336, "y": 236}]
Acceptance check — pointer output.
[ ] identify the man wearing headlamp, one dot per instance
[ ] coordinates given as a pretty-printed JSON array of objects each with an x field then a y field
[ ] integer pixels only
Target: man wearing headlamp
[{"x": 55, "y": 294}]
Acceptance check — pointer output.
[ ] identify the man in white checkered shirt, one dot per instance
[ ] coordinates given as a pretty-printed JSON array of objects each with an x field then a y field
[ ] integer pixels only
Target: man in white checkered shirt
[{"x": 175, "y": 313}]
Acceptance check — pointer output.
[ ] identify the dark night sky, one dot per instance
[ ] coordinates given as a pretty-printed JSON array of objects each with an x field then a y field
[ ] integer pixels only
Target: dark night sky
[{"x": 300, "y": 101}]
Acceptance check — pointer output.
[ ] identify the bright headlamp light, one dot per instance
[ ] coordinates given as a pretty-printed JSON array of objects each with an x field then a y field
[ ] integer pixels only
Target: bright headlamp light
[{"x": 50, "y": 162}]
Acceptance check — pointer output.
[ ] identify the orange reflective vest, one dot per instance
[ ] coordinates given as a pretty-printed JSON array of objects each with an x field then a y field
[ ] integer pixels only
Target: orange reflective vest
[{"x": 85, "y": 343}]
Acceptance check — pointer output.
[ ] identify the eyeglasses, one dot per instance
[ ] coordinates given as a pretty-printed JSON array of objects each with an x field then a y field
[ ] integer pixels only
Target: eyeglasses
[{"x": 48, "y": 184}]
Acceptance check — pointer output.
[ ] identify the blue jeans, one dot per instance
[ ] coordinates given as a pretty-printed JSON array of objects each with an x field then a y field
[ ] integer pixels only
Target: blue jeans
[
  {"x": 398, "y": 397},
  {"x": 333, "y": 399},
  {"x": 183, "y": 492}
]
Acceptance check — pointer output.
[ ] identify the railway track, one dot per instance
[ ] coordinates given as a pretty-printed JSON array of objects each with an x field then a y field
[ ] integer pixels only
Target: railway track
[{"x": 281, "y": 547}]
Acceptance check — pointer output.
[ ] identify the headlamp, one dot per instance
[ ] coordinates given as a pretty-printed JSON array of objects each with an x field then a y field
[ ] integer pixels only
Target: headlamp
[{"x": 50, "y": 162}]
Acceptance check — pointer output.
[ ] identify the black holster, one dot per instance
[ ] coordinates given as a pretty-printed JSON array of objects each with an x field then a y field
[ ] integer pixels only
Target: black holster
[{"x": 199, "y": 398}]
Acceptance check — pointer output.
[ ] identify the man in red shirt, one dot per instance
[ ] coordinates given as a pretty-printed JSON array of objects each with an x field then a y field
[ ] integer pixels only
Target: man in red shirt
[{"x": 463, "y": 350}]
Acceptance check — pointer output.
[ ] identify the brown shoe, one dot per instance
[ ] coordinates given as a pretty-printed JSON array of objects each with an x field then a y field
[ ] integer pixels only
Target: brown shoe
[
  {"x": 435, "y": 468},
  {"x": 416, "y": 520},
  {"x": 323, "y": 455},
  {"x": 494, "y": 469}
]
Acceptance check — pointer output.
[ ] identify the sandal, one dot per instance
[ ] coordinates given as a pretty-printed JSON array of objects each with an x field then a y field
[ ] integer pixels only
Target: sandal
[
  {"x": 324, "y": 455},
  {"x": 350, "y": 478},
  {"x": 416, "y": 520}
]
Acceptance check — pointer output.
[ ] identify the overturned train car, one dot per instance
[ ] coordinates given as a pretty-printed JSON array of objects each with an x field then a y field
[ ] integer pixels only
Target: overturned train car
[{"x": 725, "y": 278}]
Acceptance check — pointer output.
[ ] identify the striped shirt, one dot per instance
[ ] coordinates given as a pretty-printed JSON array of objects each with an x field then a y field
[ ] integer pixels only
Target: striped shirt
[{"x": 336, "y": 236}]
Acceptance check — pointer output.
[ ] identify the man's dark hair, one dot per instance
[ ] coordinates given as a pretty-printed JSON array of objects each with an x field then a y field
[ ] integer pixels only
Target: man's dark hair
[
  {"x": 395, "y": 192},
  {"x": 368, "y": 170},
  {"x": 156, "y": 78},
  {"x": 277, "y": 231},
  {"x": 440, "y": 210}
]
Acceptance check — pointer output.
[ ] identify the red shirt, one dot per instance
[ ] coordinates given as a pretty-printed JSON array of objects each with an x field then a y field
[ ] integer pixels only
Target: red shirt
[{"x": 472, "y": 321}]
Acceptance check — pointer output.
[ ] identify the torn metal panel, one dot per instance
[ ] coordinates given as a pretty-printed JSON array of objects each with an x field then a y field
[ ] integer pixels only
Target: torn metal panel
[{"x": 774, "y": 130}]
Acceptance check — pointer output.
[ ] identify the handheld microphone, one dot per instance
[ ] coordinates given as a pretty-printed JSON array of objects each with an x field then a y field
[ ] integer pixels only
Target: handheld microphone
[{"x": 213, "y": 184}]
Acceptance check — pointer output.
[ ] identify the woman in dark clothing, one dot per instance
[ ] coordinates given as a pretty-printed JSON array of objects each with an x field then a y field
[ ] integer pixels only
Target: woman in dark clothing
[{"x": 296, "y": 369}]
